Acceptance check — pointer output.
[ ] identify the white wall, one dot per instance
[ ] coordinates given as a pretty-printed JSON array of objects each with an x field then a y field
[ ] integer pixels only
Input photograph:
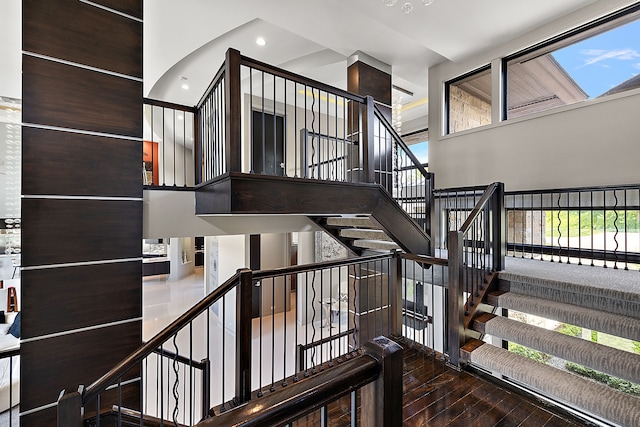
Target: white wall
[
  {"x": 169, "y": 213},
  {"x": 11, "y": 48},
  {"x": 592, "y": 143}
]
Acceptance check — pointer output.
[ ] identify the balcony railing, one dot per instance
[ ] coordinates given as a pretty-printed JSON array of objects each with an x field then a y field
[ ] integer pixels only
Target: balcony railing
[
  {"x": 589, "y": 225},
  {"x": 168, "y": 157},
  {"x": 221, "y": 353}
]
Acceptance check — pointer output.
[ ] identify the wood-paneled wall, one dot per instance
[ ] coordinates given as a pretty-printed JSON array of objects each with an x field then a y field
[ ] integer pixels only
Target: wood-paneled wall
[{"x": 82, "y": 197}]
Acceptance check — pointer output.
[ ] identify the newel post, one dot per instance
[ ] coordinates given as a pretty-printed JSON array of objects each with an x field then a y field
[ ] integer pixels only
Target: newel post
[
  {"x": 382, "y": 399},
  {"x": 455, "y": 298},
  {"x": 233, "y": 111},
  {"x": 367, "y": 142},
  {"x": 243, "y": 336},
  {"x": 70, "y": 409},
  {"x": 395, "y": 295}
]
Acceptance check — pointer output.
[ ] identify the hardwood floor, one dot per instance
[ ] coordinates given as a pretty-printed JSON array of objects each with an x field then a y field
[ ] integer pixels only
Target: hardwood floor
[{"x": 438, "y": 396}]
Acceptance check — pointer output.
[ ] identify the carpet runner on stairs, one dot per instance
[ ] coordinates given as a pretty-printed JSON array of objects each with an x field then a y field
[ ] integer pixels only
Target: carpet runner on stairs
[
  {"x": 621, "y": 408},
  {"x": 619, "y": 363},
  {"x": 599, "y": 299}
]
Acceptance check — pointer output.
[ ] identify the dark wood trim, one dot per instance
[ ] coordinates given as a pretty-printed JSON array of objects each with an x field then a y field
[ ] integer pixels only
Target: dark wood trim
[
  {"x": 130, "y": 7},
  {"x": 80, "y": 287},
  {"x": 169, "y": 105},
  {"x": 300, "y": 398},
  {"x": 118, "y": 49},
  {"x": 65, "y": 231},
  {"x": 53, "y": 96},
  {"x": 238, "y": 193},
  {"x": 64, "y": 163},
  {"x": 50, "y": 365}
]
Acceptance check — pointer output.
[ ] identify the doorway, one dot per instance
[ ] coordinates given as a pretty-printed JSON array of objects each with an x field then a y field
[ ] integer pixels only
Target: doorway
[{"x": 267, "y": 143}]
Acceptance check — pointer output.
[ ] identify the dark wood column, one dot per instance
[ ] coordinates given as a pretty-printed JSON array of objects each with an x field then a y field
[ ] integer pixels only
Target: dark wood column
[
  {"x": 82, "y": 197},
  {"x": 368, "y": 76}
]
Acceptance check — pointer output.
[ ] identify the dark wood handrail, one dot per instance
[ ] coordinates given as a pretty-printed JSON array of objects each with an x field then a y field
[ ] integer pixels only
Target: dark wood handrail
[
  {"x": 305, "y": 396},
  {"x": 179, "y": 358},
  {"x": 326, "y": 340},
  {"x": 264, "y": 274},
  {"x": 472, "y": 189},
  {"x": 425, "y": 259},
  {"x": 400, "y": 141},
  {"x": 170, "y": 105},
  {"x": 486, "y": 196},
  {"x": 214, "y": 83},
  {"x": 576, "y": 189},
  {"x": 279, "y": 72},
  {"x": 143, "y": 351}
]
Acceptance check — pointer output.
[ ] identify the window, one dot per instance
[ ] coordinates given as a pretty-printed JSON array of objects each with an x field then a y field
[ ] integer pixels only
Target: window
[
  {"x": 596, "y": 60},
  {"x": 469, "y": 101}
]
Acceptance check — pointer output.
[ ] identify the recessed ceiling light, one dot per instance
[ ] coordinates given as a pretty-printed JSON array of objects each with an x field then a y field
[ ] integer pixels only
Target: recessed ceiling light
[
  {"x": 260, "y": 41},
  {"x": 185, "y": 85}
]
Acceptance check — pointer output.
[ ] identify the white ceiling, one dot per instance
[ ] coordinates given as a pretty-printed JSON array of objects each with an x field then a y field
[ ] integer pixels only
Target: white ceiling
[
  {"x": 315, "y": 37},
  {"x": 311, "y": 37}
]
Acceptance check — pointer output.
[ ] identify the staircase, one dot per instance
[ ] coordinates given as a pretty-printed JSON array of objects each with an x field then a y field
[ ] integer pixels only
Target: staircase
[
  {"x": 597, "y": 299},
  {"x": 358, "y": 233}
]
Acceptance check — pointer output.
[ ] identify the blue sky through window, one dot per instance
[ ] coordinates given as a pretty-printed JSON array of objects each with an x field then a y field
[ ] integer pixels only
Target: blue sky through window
[
  {"x": 604, "y": 61},
  {"x": 421, "y": 151}
]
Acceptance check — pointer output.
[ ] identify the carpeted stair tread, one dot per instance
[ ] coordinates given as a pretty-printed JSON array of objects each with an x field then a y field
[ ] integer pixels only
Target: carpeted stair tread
[
  {"x": 608, "y": 323},
  {"x": 610, "y": 404},
  {"x": 351, "y": 221},
  {"x": 376, "y": 244},
  {"x": 364, "y": 233},
  {"x": 619, "y": 363},
  {"x": 618, "y": 284}
]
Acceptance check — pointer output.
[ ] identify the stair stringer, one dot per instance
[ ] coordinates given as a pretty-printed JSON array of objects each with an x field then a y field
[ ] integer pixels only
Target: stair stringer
[{"x": 241, "y": 193}]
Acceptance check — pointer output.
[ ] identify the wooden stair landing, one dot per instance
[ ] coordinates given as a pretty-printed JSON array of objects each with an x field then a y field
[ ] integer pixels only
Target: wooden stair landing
[{"x": 438, "y": 396}]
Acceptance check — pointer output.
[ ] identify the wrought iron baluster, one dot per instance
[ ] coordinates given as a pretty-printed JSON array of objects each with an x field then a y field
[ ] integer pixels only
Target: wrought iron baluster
[
  {"x": 176, "y": 384},
  {"x": 615, "y": 235}
]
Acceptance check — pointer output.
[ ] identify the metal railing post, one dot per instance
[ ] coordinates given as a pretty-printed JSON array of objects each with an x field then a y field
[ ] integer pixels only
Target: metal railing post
[
  {"x": 395, "y": 295},
  {"x": 198, "y": 153},
  {"x": 382, "y": 399},
  {"x": 455, "y": 303},
  {"x": 367, "y": 142},
  {"x": 244, "y": 298},
  {"x": 498, "y": 228},
  {"x": 206, "y": 387},
  {"x": 233, "y": 111},
  {"x": 430, "y": 212}
]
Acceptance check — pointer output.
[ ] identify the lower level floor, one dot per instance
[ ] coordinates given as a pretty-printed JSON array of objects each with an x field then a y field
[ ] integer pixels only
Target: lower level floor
[{"x": 435, "y": 395}]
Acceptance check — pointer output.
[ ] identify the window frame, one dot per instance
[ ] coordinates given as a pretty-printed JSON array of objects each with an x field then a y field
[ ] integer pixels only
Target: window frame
[
  {"x": 447, "y": 93},
  {"x": 605, "y": 23}
]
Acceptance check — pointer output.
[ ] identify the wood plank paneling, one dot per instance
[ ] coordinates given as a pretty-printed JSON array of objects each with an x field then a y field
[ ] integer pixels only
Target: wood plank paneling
[
  {"x": 64, "y": 163},
  {"x": 130, "y": 7},
  {"x": 44, "y": 418},
  {"x": 118, "y": 50},
  {"x": 364, "y": 79},
  {"x": 61, "y": 95},
  {"x": 65, "y": 231},
  {"x": 65, "y": 362},
  {"x": 80, "y": 287}
]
